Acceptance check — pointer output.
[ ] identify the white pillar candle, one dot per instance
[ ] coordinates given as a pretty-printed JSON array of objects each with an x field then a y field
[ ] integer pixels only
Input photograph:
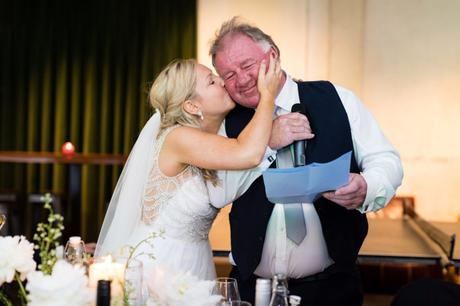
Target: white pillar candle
[{"x": 103, "y": 268}]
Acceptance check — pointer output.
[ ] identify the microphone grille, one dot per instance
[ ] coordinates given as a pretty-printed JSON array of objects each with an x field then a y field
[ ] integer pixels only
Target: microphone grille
[{"x": 298, "y": 108}]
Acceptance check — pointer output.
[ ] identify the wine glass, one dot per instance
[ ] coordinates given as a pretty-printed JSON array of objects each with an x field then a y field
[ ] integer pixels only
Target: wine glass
[
  {"x": 2, "y": 220},
  {"x": 133, "y": 281},
  {"x": 133, "y": 287},
  {"x": 228, "y": 288}
]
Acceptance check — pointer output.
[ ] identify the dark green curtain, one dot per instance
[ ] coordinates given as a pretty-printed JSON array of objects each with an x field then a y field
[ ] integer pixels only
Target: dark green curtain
[{"x": 78, "y": 71}]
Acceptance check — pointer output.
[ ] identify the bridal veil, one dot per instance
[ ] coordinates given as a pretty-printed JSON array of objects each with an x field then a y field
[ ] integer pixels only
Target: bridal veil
[{"x": 125, "y": 208}]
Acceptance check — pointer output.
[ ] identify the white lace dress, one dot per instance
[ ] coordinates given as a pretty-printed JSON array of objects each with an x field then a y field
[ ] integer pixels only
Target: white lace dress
[{"x": 179, "y": 207}]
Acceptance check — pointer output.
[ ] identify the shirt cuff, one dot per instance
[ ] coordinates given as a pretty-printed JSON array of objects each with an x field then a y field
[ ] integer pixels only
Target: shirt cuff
[
  {"x": 269, "y": 158},
  {"x": 377, "y": 196}
]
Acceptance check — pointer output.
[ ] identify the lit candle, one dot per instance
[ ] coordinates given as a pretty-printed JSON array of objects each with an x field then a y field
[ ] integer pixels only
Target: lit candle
[
  {"x": 104, "y": 268},
  {"x": 68, "y": 149}
]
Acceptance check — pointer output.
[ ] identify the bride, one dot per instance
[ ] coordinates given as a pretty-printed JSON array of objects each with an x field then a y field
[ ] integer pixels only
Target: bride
[{"x": 163, "y": 185}]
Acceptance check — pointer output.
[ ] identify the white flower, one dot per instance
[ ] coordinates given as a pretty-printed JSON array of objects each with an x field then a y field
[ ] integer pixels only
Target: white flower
[
  {"x": 171, "y": 288},
  {"x": 67, "y": 285},
  {"x": 16, "y": 254}
]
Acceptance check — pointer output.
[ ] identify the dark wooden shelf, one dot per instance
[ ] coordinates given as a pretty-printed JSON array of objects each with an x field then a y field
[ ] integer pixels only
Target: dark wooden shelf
[{"x": 58, "y": 158}]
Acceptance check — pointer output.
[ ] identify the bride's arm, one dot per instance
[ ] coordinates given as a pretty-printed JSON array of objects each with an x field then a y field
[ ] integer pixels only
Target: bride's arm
[
  {"x": 209, "y": 151},
  {"x": 233, "y": 183}
]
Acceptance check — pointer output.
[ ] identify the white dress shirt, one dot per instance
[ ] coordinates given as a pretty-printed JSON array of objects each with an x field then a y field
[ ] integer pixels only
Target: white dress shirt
[{"x": 380, "y": 166}]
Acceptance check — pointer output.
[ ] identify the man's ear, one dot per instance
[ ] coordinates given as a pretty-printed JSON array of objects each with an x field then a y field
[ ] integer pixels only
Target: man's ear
[
  {"x": 191, "y": 107},
  {"x": 273, "y": 52}
]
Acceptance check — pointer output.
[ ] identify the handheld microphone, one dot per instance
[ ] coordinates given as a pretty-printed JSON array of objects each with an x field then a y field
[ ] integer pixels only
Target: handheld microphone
[{"x": 299, "y": 145}]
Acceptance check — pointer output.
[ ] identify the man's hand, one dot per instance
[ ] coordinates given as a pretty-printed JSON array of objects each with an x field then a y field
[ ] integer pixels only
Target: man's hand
[
  {"x": 288, "y": 128},
  {"x": 350, "y": 196}
]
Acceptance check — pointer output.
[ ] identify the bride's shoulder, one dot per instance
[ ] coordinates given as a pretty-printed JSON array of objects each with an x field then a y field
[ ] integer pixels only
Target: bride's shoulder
[
  {"x": 177, "y": 134},
  {"x": 181, "y": 132}
]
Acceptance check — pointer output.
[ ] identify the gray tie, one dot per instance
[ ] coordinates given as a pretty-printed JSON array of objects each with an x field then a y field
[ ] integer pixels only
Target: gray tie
[{"x": 296, "y": 229}]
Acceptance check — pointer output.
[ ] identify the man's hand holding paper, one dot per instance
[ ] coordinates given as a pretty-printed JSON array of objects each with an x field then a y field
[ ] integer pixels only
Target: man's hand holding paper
[
  {"x": 305, "y": 184},
  {"x": 350, "y": 196}
]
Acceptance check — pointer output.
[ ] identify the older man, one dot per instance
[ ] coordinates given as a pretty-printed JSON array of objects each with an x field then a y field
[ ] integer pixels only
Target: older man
[{"x": 319, "y": 257}]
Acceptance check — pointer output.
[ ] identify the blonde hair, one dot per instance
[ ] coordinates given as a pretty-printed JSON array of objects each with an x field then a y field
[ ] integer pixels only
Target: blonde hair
[
  {"x": 237, "y": 26},
  {"x": 176, "y": 84}
]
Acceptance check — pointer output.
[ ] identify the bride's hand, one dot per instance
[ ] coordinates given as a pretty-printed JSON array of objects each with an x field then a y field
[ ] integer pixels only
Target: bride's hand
[{"x": 268, "y": 82}]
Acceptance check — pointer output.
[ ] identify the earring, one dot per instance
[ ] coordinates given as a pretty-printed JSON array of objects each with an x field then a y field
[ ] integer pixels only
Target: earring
[{"x": 200, "y": 114}]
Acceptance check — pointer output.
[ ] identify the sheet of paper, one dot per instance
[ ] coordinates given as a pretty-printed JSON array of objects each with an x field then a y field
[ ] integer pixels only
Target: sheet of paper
[{"x": 305, "y": 184}]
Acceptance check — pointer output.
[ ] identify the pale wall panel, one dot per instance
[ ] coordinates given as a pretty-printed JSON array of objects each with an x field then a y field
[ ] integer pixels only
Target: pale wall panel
[
  {"x": 411, "y": 82},
  {"x": 401, "y": 57}
]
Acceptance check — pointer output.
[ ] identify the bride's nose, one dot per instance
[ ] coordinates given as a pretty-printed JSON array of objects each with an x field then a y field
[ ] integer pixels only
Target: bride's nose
[{"x": 221, "y": 82}]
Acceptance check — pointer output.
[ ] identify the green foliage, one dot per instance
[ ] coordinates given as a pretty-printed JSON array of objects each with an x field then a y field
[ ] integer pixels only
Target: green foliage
[
  {"x": 4, "y": 299},
  {"x": 47, "y": 236}
]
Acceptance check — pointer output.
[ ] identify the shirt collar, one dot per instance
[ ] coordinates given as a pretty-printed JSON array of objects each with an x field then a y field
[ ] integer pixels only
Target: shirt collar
[{"x": 288, "y": 96}]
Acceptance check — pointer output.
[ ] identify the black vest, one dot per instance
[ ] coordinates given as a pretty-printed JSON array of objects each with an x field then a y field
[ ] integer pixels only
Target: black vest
[{"x": 344, "y": 230}]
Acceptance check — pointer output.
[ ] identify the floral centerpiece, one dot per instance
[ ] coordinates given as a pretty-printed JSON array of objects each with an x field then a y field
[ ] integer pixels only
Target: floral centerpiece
[
  {"x": 57, "y": 282},
  {"x": 65, "y": 283},
  {"x": 16, "y": 261},
  {"x": 173, "y": 288}
]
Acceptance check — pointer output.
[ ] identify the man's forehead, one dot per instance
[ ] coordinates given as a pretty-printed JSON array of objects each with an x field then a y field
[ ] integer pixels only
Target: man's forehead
[{"x": 237, "y": 49}]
